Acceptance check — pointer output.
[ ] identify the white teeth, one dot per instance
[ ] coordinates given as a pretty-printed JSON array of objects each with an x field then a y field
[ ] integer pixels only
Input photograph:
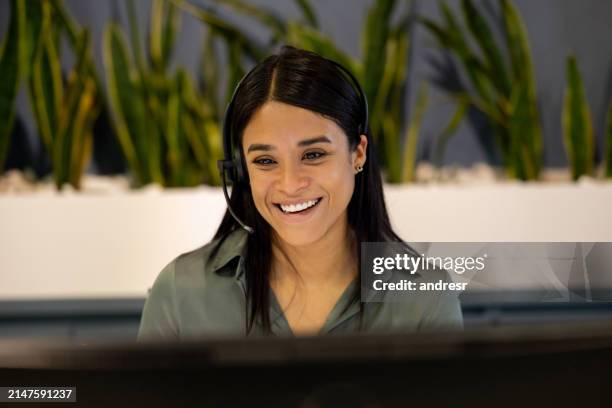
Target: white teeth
[{"x": 298, "y": 207}]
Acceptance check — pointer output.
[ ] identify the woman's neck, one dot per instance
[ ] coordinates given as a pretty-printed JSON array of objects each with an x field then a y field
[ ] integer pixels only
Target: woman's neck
[{"x": 329, "y": 260}]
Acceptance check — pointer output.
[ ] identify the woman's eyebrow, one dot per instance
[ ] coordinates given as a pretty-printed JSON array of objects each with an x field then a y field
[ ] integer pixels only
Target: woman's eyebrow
[
  {"x": 259, "y": 146},
  {"x": 301, "y": 143},
  {"x": 318, "y": 139}
]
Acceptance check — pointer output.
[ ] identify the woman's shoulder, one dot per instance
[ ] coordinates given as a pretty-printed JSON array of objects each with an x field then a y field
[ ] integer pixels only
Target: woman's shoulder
[
  {"x": 211, "y": 257},
  {"x": 189, "y": 285}
]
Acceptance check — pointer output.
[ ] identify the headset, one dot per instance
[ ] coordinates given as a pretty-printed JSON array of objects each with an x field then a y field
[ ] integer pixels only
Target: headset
[{"x": 231, "y": 165}]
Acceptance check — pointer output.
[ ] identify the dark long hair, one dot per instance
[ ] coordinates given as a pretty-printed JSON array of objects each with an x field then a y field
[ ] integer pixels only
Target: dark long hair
[{"x": 306, "y": 80}]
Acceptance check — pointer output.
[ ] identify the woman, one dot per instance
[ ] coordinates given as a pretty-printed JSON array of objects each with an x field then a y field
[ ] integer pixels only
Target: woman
[{"x": 311, "y": 193}]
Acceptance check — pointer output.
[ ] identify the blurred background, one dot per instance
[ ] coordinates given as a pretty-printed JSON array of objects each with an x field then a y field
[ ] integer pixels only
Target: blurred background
[{"x": 110, "y": 115}]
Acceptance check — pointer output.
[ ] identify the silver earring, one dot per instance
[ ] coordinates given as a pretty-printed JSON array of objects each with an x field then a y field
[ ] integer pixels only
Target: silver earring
[{"x": 359, "y": 168}]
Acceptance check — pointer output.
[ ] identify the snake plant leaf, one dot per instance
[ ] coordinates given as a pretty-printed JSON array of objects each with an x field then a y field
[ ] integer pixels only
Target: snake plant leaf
[
  {"x": 454, "y": 33},
  {"x": 266, "y": 16},
  {"x": 212, "y": 131},
  {"x": 68, "y": 118},
  {"x": 523, "y": 71},
  {"x": 126, "y": 106},
  {"x": 75, "y": 118},
  {"x": 388, "y": 108},
  {"x": 448, "y": 131},
  {"x": 210, "y": 76},
  {"x": 522, "y": 161},
  {"x": 517, "y": 42},
  {"x": 577, "y": 123},
  {"x": 134, "y": 30},
  {"x": 156, "y": 33},
  {"x": 504, "y": 92},
  {"x": 64, "y": 114},
  {"x": 204, "y": 138},
  {"x": 67, "y": 22},
  {"x": 70, "y": 27},
  {"x": 608, "y": 157},
  {"x": 154, "y": 147},
  {"x": 474, "y": 67},
  {"x": 223, "y": 28},
  {"x": 481, "y": 31},
  {"x": 192, "y": 134},
  {"x": 399, "y": 58},
  {"x": 437, "y": 31},
  {"x": 46, "y": 88},
  {"x": 201, "y": 132},
  {"x": 174, "y": 154},
  {"x": 304, "y": 37},
  {"x": 171, "y": 28},
  {"x": 39, "y": 23},
  {"x": 81, "y": 132},
  {"x": 310, "y": 17},
  {"x": 191, "y": 99},
  {"x": 453, "y": 40},
  {"x": 164, "y": 25},
  {"x": 10, "y": 66},
  {"x": 451, "y": 37},
  {"x": 412, "y": 135},
  {"x": 374, "y": 37},
  {"x": 35, "y": 16},
  {"x": 236, "y": 67}
]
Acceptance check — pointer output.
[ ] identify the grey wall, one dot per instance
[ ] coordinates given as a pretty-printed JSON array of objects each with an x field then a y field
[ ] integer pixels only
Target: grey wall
[{"x": 555, "y": 28}]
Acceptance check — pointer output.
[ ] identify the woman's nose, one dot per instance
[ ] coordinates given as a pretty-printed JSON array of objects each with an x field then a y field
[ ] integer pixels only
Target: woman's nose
[{"x": 292, "y": 179}]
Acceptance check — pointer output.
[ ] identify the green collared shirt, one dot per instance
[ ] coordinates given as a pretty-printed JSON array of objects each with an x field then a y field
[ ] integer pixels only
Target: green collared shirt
[{"x": 195, "y": 296}]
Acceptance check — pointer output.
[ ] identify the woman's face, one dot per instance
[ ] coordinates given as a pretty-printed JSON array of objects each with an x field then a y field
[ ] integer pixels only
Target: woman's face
[{"x": 301, "y": 171}]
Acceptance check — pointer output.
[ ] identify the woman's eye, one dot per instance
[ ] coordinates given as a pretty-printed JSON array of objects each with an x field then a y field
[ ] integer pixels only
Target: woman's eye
[
  {"x": 263, "y": 161},
  {"x": 314, "y": 155}
]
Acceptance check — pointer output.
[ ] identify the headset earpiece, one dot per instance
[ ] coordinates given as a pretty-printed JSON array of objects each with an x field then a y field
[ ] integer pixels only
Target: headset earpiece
[{"x": 239, "y": 171}]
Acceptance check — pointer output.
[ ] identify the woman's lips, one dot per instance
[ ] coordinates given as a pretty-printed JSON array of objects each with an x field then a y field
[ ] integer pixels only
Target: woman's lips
[{"x": 300, "y": 216}]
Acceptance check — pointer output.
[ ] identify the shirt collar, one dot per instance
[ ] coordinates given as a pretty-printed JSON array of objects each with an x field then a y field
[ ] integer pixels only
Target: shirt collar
[{"x": 234, "y": 246}]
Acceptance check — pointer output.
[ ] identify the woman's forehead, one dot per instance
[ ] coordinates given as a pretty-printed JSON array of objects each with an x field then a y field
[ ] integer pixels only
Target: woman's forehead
[{"x": 277, "y": 123}]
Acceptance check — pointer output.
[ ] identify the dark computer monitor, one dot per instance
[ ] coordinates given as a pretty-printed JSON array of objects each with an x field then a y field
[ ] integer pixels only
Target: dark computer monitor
[{"x": 560, "y": 365}]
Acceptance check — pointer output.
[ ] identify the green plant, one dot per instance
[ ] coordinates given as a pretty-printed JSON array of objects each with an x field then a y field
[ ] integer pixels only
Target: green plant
[
  {"x": 64, "y": 108},
  {"x": 168, "y": 131},
  {"x": 381, "y": 70},
  {"x": 412, "y": 136},
  {"x": 577, "y": 123},
  {"x": 608, "y": 136},
  {"x": 10, "y": 66},
  {"x": 502, "y": 88}
]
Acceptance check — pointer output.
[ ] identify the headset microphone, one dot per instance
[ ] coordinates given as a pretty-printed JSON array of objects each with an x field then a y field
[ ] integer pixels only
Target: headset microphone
[{"x": 232, "y": 166}]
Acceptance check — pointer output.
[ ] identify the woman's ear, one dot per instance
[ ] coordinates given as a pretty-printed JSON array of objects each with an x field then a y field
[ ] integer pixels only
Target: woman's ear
[{"x": 359, "y": 154}]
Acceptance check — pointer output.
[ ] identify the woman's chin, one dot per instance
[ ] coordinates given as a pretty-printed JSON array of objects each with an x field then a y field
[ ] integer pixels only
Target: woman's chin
[{"x": 298, "y": 237}]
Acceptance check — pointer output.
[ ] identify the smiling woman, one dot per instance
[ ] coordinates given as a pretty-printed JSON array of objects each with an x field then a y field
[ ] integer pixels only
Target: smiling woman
[
  {"x": 307, "y": 191},
  {"x": 301, "y": 183}
]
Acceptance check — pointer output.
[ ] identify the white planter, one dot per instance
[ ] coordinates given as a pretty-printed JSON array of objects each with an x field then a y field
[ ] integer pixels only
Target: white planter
[{"x": 98, "y": 246}]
